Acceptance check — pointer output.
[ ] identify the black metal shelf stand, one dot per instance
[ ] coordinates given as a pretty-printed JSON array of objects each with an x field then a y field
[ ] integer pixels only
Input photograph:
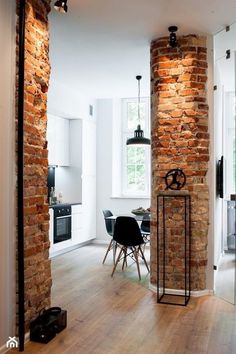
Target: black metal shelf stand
[{"x": 182, "y": 241}]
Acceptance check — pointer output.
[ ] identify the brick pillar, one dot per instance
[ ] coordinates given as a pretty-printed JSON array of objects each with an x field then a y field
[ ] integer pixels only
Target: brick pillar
[
  {"x": 180, "y": 137},
  {"x": 36, "y": 222}
]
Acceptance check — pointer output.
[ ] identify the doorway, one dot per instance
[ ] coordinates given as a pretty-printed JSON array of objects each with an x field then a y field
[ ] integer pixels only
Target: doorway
[{"x": 225, "y": 154}]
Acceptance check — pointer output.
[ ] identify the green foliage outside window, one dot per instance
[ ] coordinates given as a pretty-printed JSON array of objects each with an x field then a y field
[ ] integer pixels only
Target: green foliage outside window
[
  {"x": 136, "y": 169},
  {"x": 132, "y": 115},
  {"x": 136, "y": 158}
]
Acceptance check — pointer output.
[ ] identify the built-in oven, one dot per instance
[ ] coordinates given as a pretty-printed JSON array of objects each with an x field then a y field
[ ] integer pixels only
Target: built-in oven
[{"x": 62, "y": 223}]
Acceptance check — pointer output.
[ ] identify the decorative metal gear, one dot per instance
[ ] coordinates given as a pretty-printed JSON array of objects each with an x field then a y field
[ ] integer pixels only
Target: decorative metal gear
[{"x": 175, "y": 179}]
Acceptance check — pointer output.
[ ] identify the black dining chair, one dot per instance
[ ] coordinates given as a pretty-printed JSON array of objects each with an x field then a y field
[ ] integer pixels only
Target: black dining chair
[
  {"x": 145, "y": 228},
  {"x": 109, "y": 228},
  {"x": 128, "y": 236}
]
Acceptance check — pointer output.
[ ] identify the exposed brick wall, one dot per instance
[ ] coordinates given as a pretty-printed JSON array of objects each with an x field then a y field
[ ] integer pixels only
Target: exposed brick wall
[
  {"x": 180, "y": 138},
  {"x": 36, "y": 221}
]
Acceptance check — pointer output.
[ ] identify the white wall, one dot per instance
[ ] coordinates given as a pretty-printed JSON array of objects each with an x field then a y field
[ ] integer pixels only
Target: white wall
[
  {"x": 64, "y": 102},
  {"x": 68, "y": 182},
  {"x": 7, "y": 181},
  {"x": 106, "y": 118}
]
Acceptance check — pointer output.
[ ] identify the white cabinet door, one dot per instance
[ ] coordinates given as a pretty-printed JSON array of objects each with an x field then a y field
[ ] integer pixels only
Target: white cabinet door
[
  {"x": 89, "y": 147},
  {"x": 89, "y": 178},
  {"x": 62, "y": 141},
  {"x": 75, "y": 126},
  {"x": 51, "y": 225},
  {"x": 66, "y": 143},
  {"x": 89, "y": 206},
  {"x": 77, "y": 217},
  {"x": 58, "y": 141},
  {"x": 77, "y": 224},
  {"x": 51, "y": 138}
]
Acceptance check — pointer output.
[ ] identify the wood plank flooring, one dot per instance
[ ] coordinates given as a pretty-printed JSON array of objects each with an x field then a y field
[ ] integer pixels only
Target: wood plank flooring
[
  {"x": 225, "y": 277},
  {"x": 120, "y": 315}
]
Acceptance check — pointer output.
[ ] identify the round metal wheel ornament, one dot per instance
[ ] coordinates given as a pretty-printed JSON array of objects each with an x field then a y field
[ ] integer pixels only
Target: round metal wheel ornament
[{"x": 175, "y": 179}]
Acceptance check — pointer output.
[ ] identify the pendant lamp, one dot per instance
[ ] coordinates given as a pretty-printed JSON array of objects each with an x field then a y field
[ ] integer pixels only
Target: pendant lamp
[
  {"x": 173, "y": 40},
  {"x": 138, "y": 138},
  {"x": 61, "y": 6}
]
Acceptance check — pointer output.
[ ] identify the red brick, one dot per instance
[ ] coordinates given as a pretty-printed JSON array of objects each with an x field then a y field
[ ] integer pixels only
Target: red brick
[
  {"x": 169, "y": 65},
  {"x": 181, "y": 139},
  {"x": 37, "y": 72},
  {"x": 188, "y": 93}
]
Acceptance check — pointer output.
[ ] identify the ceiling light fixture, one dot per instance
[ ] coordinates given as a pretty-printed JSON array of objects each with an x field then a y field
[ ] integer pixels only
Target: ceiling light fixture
[
  {"x": 138, "y": 138},
  {"x": 173, "y": 40},
  {"x": 61, "y": 6}
]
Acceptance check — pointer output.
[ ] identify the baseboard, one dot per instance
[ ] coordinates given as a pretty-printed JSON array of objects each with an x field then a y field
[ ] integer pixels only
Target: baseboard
[
  {"x": 194, "y": 293},
  {"x": 205, "y": 292},
  {"x": 69, "y": 249},
  {"x": 100, "y": 242},
  {"x": 106, "y": 243}
]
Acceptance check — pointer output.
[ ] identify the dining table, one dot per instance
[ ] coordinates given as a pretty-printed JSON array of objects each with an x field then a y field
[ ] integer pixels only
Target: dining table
[{"x": 137, "y": 217}]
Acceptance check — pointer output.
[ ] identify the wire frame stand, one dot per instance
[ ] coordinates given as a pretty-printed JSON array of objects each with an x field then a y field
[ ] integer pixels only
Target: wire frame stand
[{"x": 173, "y": 247}]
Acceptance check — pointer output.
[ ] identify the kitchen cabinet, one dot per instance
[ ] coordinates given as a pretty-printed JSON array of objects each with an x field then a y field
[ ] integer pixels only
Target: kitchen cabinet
[
  {"x": 89, "y": 205},
  {"x": 80, "y": 232},
  {"x": 78, "y": 182},
  {"x": 78, "y": 236},
  {"x": 89, "y": 177},
  {"x": 76, "y": 127},
  {"x": 77, "y": 223},
  {"x": 89, "y": 147},
  {"x": 58, "y": 141},
  {"x": 51, "y": 225},
  {"x": 231, "y": 224}
]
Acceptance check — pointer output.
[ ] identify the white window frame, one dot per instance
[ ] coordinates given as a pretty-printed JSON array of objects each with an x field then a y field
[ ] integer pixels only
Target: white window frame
[{"x": 128, "y": 133}]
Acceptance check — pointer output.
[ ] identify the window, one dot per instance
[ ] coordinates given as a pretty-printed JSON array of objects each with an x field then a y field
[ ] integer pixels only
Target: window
[{"x": 135, "y": 159}]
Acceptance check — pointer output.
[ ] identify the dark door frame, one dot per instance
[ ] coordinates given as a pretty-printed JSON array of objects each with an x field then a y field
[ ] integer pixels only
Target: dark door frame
[{"x": 20, "y": 176}]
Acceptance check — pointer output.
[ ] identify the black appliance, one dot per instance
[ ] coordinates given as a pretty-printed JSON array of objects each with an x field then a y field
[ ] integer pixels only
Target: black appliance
[
  {"x": 51, "y": 179},
  {"x": 62, "y": 222},
  {"x": 220, "y": 178}
]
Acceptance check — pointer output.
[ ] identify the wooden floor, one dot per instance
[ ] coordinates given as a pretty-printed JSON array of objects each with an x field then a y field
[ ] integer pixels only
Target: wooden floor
[
  {"x": 225, "y": 277},
  {"x": 120, "y": 315}
]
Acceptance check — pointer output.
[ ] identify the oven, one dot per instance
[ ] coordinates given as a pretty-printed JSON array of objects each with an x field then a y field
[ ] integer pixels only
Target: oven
[{"x": 62, "y": 223}]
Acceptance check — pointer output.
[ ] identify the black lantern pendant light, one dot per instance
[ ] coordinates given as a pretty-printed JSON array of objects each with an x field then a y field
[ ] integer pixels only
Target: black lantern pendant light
[
  {"x": 173, "y": 40},
  {"x": 138, "y": 138},
  {"x": 61, "y": 6}
]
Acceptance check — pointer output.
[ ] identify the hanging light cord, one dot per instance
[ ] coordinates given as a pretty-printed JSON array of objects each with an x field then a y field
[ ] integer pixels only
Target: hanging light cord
[
  {"x": 139, "y": 101},
  {"x": 138, "y": 133},
  {"x": 138, "y": 77}
]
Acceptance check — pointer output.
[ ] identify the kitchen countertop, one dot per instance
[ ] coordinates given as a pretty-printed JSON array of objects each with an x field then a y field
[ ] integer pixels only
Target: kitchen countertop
[{"x": 58, "y": 204}]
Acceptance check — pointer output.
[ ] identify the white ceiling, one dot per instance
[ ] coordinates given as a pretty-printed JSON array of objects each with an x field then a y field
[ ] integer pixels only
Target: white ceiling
[{"x": 99, "y": 46}]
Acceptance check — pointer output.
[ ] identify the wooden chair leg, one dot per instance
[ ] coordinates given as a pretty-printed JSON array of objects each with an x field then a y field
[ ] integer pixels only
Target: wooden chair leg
[
  {"x": 144, "y": 259},
  {"x": 135, "y": 252},
  {"x": 114, "y": 251},
  {"x": 117, "y": 261},
  {"x": 125, "y": 258},
  {"x": 108, "y": 250}
]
